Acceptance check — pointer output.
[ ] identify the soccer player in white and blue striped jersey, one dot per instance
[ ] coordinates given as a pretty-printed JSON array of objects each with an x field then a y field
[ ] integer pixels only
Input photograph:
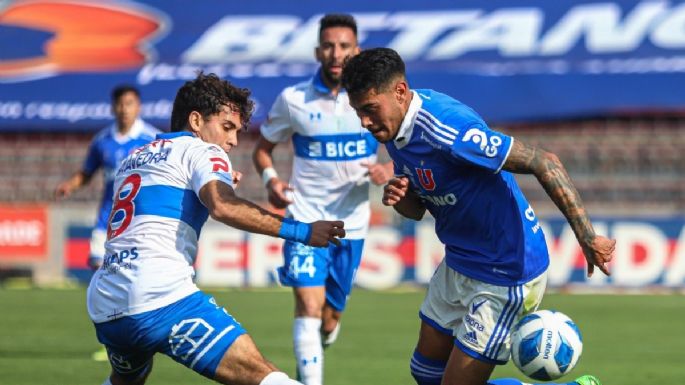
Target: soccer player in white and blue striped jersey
[
  {"x": 448, "y": 161},
  {"x": 333, "y": 166},
  {"x": 143, "y": 300}
]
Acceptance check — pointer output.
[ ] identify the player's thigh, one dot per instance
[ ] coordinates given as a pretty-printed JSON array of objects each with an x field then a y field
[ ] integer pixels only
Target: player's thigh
[
  {"x": 304, "y": 266},
  {"x": 243, "y": 364},
  {"x": 462, "y": 369},
  {"x": 197, "y": 333},
  {"x": 484, "y": 332},
  {"x": 433, "y": 343},
  {"x": 344, "y": 262}
]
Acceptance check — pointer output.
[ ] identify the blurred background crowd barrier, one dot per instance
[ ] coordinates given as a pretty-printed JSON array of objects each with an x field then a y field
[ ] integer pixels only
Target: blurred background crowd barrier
[{"x": 597, "y": 82}]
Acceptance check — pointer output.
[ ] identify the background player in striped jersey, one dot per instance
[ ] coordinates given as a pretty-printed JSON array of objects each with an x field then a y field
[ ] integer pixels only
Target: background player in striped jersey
[
  {"x": 106, "y": 151},
  {"x": 448, "y": 161},
  {"x": 143, "y": 299},
  {"x": 335, "y": 158}
]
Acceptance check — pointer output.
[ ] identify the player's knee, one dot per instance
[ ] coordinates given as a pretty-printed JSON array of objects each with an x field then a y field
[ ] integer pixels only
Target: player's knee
[
  {"x": 426, "y": 371},
  {"x": 308, "y": 306}
]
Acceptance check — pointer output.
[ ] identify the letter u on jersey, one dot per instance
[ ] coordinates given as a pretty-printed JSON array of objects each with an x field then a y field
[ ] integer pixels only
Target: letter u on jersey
[{"x": 426, "y": 178}]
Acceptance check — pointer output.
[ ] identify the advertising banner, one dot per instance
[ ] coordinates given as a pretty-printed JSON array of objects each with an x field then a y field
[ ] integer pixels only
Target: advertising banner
[
  {"x": 511, "y": 61},
  {"x": 23, "y": 233}
]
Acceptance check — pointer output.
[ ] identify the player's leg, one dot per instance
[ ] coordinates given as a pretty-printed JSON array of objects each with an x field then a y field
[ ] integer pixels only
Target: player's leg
[
  {"x": 204, "y": 337},
  {"x": 430, "y": 356},
  {"x": 243, "y": 364},
  {"x": 330, "y": 325},
  {"x": 344, "y": 262},
  {"x": 131, "y": 365},
  {"x": 95, "y": 257},
  {"x": 305, "y": 269},
  {"x": 438, "y": 315}
]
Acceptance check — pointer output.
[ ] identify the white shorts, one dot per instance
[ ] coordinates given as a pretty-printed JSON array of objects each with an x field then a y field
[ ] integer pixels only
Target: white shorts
[{"x": 477, "y": 314}]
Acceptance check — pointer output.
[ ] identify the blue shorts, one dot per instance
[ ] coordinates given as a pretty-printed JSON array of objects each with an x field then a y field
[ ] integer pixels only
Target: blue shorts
[
  {"x": 333, "y": 267},
  {"x": 193, "y": 331}
]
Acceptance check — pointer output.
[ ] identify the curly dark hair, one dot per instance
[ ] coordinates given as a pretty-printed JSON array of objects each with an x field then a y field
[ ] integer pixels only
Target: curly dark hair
[
  {"x": 337, "y": 20},
  {"x": 372, "y": 69},
  {"x": 206, "y": 94},
  {"x": 121, "y": 89}
]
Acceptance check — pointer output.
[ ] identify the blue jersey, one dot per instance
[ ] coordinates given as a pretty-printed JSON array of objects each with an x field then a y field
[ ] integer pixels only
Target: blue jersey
[
  {"x": 106, "y": 151},
  {"x": 453, "y": 161}
]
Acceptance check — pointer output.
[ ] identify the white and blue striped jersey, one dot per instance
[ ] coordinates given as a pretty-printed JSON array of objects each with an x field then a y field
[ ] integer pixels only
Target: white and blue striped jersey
[
  {"x": 331, "y": 147},
  {"x": 107, "y": 150},
  {"x": 453, "y": 161},
  {"x": 154, "y": 226}
]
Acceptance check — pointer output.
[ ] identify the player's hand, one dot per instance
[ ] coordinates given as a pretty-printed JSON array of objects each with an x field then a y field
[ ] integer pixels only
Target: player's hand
[
  {"x": 598, "y": 253},
  {"x": 324, "y": 232},
  {"x": 379, "y": 173},
  {"x": 95, "y": 263},
  {"x": 237, "y": 177},
  {"x": 278, "y": 193},
  {"x": 395, "y": 190},
  {"x": 63, "y": 190}
]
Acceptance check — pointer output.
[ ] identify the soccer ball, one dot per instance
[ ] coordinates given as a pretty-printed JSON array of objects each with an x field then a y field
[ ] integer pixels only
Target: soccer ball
[{"x": 545, "y": 345}]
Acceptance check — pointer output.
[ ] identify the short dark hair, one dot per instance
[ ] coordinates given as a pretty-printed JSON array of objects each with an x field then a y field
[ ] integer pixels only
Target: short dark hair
[
  {"x": 121, "y": 89},
  {"x": 206, "y": 95},
  {"x": 372, "y": 69},
  {"x": 337, "y": 20}
]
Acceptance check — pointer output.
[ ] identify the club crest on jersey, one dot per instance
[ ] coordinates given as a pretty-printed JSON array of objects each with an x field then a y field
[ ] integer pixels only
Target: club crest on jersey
[{"x": 426, "y": 178}]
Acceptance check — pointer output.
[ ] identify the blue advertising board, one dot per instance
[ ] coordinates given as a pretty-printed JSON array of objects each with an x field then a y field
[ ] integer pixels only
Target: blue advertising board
[{"x": 527, "y": 60}]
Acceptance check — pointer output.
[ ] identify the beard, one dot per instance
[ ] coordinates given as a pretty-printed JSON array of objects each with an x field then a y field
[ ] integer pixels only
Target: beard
[{"x": 330, "y": 78}]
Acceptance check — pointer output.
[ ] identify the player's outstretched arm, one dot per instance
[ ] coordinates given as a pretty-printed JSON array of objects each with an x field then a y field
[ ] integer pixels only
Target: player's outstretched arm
[
  {"x": 552, "y": 175},
  {"x": 224, "y": 206},
  {"x": 398, "y": 195},
  {"x": 263, "y": 161},
  {"x": 66, "y": 188}
]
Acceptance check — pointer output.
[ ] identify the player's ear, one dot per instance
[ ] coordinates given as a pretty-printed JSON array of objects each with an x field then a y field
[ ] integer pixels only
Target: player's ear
[
  {"x": 401, "y": 90},
  {"x": 195, "y": 121}
]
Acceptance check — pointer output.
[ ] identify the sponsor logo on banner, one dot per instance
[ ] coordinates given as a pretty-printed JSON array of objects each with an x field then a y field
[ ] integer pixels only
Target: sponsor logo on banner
[
  {"x": 86, "y": 37},
  {"x": 23, "y": 233},
  {"x": 647, "y": 254}
]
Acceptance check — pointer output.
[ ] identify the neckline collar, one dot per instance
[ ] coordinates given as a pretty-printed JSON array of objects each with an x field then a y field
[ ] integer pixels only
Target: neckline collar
[{"x": 407, "y": 127}]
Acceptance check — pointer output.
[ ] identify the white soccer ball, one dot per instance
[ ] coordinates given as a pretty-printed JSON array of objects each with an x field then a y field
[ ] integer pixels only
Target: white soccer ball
[{"x": 545, "y": 345}]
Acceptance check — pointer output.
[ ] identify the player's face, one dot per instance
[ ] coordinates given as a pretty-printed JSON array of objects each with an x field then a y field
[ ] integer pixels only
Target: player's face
[
  {"x": 336, "y": 44},
  {"x": 126, "y": 109},
  {"x": 220, "y": 129},
  {"x": 381, "y": 113}
]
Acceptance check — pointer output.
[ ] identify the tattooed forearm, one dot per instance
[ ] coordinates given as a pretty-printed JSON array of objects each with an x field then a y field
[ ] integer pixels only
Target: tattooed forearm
[{"x": 553, "y": 177}]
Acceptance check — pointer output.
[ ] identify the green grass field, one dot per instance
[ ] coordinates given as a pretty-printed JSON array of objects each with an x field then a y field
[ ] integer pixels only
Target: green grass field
[{"x": 46, "y": 337}]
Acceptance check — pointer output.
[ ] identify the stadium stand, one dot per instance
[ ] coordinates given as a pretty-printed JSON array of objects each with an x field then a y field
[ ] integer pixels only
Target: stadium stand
[{"x": 620, "y": 165}]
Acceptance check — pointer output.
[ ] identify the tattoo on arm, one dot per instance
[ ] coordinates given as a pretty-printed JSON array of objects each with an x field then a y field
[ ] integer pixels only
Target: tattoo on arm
[{"x": 552, "y": 175}]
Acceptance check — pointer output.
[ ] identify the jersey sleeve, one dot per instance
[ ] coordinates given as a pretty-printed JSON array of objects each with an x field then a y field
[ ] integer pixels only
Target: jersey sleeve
[
  {"x": 208, "y": 163},
  {"x": 278, "y": 127},
  {"x": 93, "y": 160},
  {"x": 479, "y": 145}
]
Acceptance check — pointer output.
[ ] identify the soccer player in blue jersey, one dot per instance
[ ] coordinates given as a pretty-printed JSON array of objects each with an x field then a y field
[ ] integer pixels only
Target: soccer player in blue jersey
[
  {"x": 143, "y": 300},
  {"x": 106, "y": 151},
  {"x": 108, "y": 148},
  {"x": 448, "y": 161},
  {"x": 334, "y": 163}
]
